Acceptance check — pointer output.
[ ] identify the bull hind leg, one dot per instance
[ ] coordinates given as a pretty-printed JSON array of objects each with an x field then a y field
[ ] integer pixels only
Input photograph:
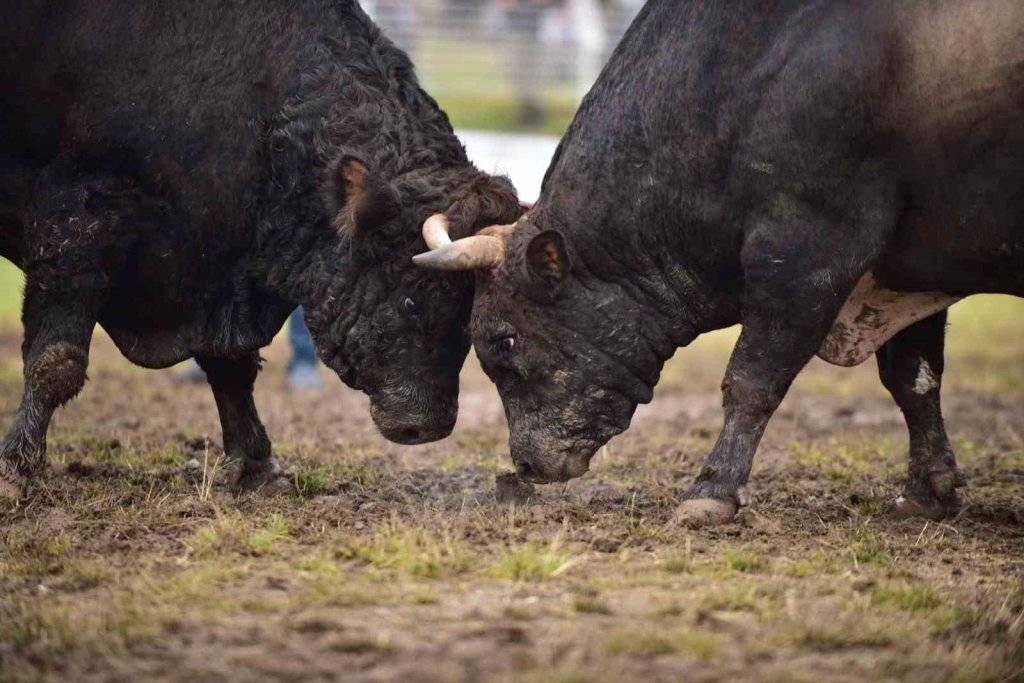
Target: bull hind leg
[
  {"x": 245, "y": 439},
  {"x": 59, "y": 316},
  {"x": 910, "y": 366}
]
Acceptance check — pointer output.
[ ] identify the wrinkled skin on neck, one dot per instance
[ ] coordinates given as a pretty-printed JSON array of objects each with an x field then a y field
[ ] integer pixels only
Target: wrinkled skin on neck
[{"x": 572, "y": 356}]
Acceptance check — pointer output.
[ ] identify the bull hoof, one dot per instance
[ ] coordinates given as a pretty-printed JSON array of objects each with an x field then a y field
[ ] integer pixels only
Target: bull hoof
[
  {"x": 934, "y": 498},
  {"x": 268, "y": 480},
  {"x": 944, "y": 483},
  {"x": 701, "y": 512},
  {"x": 929, "y": 507}
]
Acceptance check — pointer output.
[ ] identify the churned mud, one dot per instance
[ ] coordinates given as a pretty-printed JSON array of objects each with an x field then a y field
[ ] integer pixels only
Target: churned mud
[{"x": 135, "y": 562}]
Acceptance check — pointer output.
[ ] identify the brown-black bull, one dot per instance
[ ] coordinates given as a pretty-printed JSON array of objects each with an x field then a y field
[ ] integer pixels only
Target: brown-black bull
[
  {"x": 831, "y": 175},
  {"x": 187, "y": 173}
]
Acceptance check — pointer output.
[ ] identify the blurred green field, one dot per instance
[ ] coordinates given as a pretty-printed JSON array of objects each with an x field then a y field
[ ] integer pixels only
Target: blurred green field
[
  {"x": 11, "y": 284},
  {"x": 476, "y": 92}
]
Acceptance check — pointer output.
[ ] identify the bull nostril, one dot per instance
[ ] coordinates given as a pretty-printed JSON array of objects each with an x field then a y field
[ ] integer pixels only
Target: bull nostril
[{"x": 524, "y": 470}]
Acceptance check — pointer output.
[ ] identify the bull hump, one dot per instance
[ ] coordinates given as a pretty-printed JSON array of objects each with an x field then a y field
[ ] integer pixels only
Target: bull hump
[{"x": 872, "y": 315}]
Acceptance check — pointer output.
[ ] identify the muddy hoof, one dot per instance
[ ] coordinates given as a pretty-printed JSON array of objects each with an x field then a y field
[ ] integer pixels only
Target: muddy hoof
[
  {"x": 907, "y": 507},
  {"x": 270, "y": 480},
  {"x": 705, "y": 512},
  {"x": 510, "y": 489}
]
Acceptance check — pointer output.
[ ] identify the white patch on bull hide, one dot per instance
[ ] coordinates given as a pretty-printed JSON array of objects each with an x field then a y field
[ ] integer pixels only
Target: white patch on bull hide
[
  {"x": 926, "y": 380},
  {"x": 872, "y": 315}
]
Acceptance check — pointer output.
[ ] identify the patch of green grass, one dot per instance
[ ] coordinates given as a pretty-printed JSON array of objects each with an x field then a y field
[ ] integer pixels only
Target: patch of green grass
[
  {"x": 58, "y": 545},
  {"x": 225, "y": 534},
  {"x": 845, "y": 459},
  {"x": 746, "y": 561},
  {"x": 532, "y": 561},
  {"x": 812, "y": 564},
  {"x": 868, "y": 546},
  {"x": 910, "y": 599},
  {"x": 353, "y": 589},
  {"x": 137, "y": 610},
  {"x": 734, "y": 598},
  {"x": 684, "y": 642},
  {"x": 827, "y": 637},
  {"x": 25, "y": 623},
  {"x": 171, "y": 455},
  {"x": 87, "y": 573},
  {"x": 755, "y": 594},
  {"x": 643, "y": 644},
  {"x": 585, "y": 605},
  {"x": 413, "y": 550},
  {"x": 12, "y": 285},
  {"x": 232, "y": 533},
  {"x": 276, "y": 528},
  {"x": 678, "y": 563},
  {"x": 312, "y": 482}
]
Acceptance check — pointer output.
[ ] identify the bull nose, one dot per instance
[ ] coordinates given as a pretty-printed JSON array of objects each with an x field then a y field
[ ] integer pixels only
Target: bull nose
[{"x": 412, "y": 435}]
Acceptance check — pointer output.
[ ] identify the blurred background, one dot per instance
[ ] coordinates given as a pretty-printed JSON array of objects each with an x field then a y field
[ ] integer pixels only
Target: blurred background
[
  {"x": 508, "y": 65},
  {"x": 509, "y": 73}
]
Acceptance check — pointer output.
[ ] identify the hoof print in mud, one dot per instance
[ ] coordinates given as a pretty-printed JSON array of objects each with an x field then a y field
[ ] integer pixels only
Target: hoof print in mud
[
  {"x": 701, "y": 512},
  {"x": 510, "y": 489}
]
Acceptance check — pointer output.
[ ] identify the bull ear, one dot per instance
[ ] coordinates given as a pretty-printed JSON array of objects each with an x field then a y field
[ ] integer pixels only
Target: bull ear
[
  {"x": 353, "y": 178},
  {"x": 547, "y": 259},
  {"x": 369, "y": 201}
]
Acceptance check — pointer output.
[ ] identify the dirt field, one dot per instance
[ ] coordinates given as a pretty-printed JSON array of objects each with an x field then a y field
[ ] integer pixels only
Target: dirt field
[{"x": 135, "y": 562}]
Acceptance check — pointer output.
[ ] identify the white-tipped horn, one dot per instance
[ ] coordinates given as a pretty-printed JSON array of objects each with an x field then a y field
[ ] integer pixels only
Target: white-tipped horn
[
  {"x": 435, "y": 231},
  {"x": 469, "y": 253}
]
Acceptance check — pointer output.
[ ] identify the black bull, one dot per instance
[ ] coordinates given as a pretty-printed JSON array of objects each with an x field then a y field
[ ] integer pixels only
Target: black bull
[
  {"x": 832, "y": 175},
  {"x": 187, "y": 173}
]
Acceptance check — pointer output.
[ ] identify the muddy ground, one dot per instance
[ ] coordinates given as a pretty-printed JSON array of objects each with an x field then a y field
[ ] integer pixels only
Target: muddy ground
[{"x": 136, "y": 563}]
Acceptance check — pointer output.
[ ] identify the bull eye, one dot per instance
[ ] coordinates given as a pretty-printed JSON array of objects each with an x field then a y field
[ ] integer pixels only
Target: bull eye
[
  {"x": 409, "y": 306},
  {"x": 507, "y": 345}
]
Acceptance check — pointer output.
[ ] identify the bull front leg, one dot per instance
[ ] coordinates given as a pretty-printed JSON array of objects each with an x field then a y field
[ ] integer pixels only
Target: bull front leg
[
  {"x": 798, "y": 268},
  {"x": 245, "y": 440},
  {"x": 59, "y": 315},
  {"x": 910, "y": 366}
]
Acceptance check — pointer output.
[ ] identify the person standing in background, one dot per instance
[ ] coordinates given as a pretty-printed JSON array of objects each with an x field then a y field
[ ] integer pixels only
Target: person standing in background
[
  {"x": 523, "y": 20},
  {"x": 303, "y": 367}
]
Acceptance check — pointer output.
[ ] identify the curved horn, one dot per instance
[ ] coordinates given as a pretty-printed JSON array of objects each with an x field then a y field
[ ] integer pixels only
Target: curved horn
[
  {"x": 435, "y": 231},
  {"x": 469, "y": 253}
]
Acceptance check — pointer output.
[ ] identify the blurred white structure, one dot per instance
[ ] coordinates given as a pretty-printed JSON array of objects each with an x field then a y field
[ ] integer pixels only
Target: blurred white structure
[
  {"x": 513, "y": 53},
  {"x": 522, "y": 157}
]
